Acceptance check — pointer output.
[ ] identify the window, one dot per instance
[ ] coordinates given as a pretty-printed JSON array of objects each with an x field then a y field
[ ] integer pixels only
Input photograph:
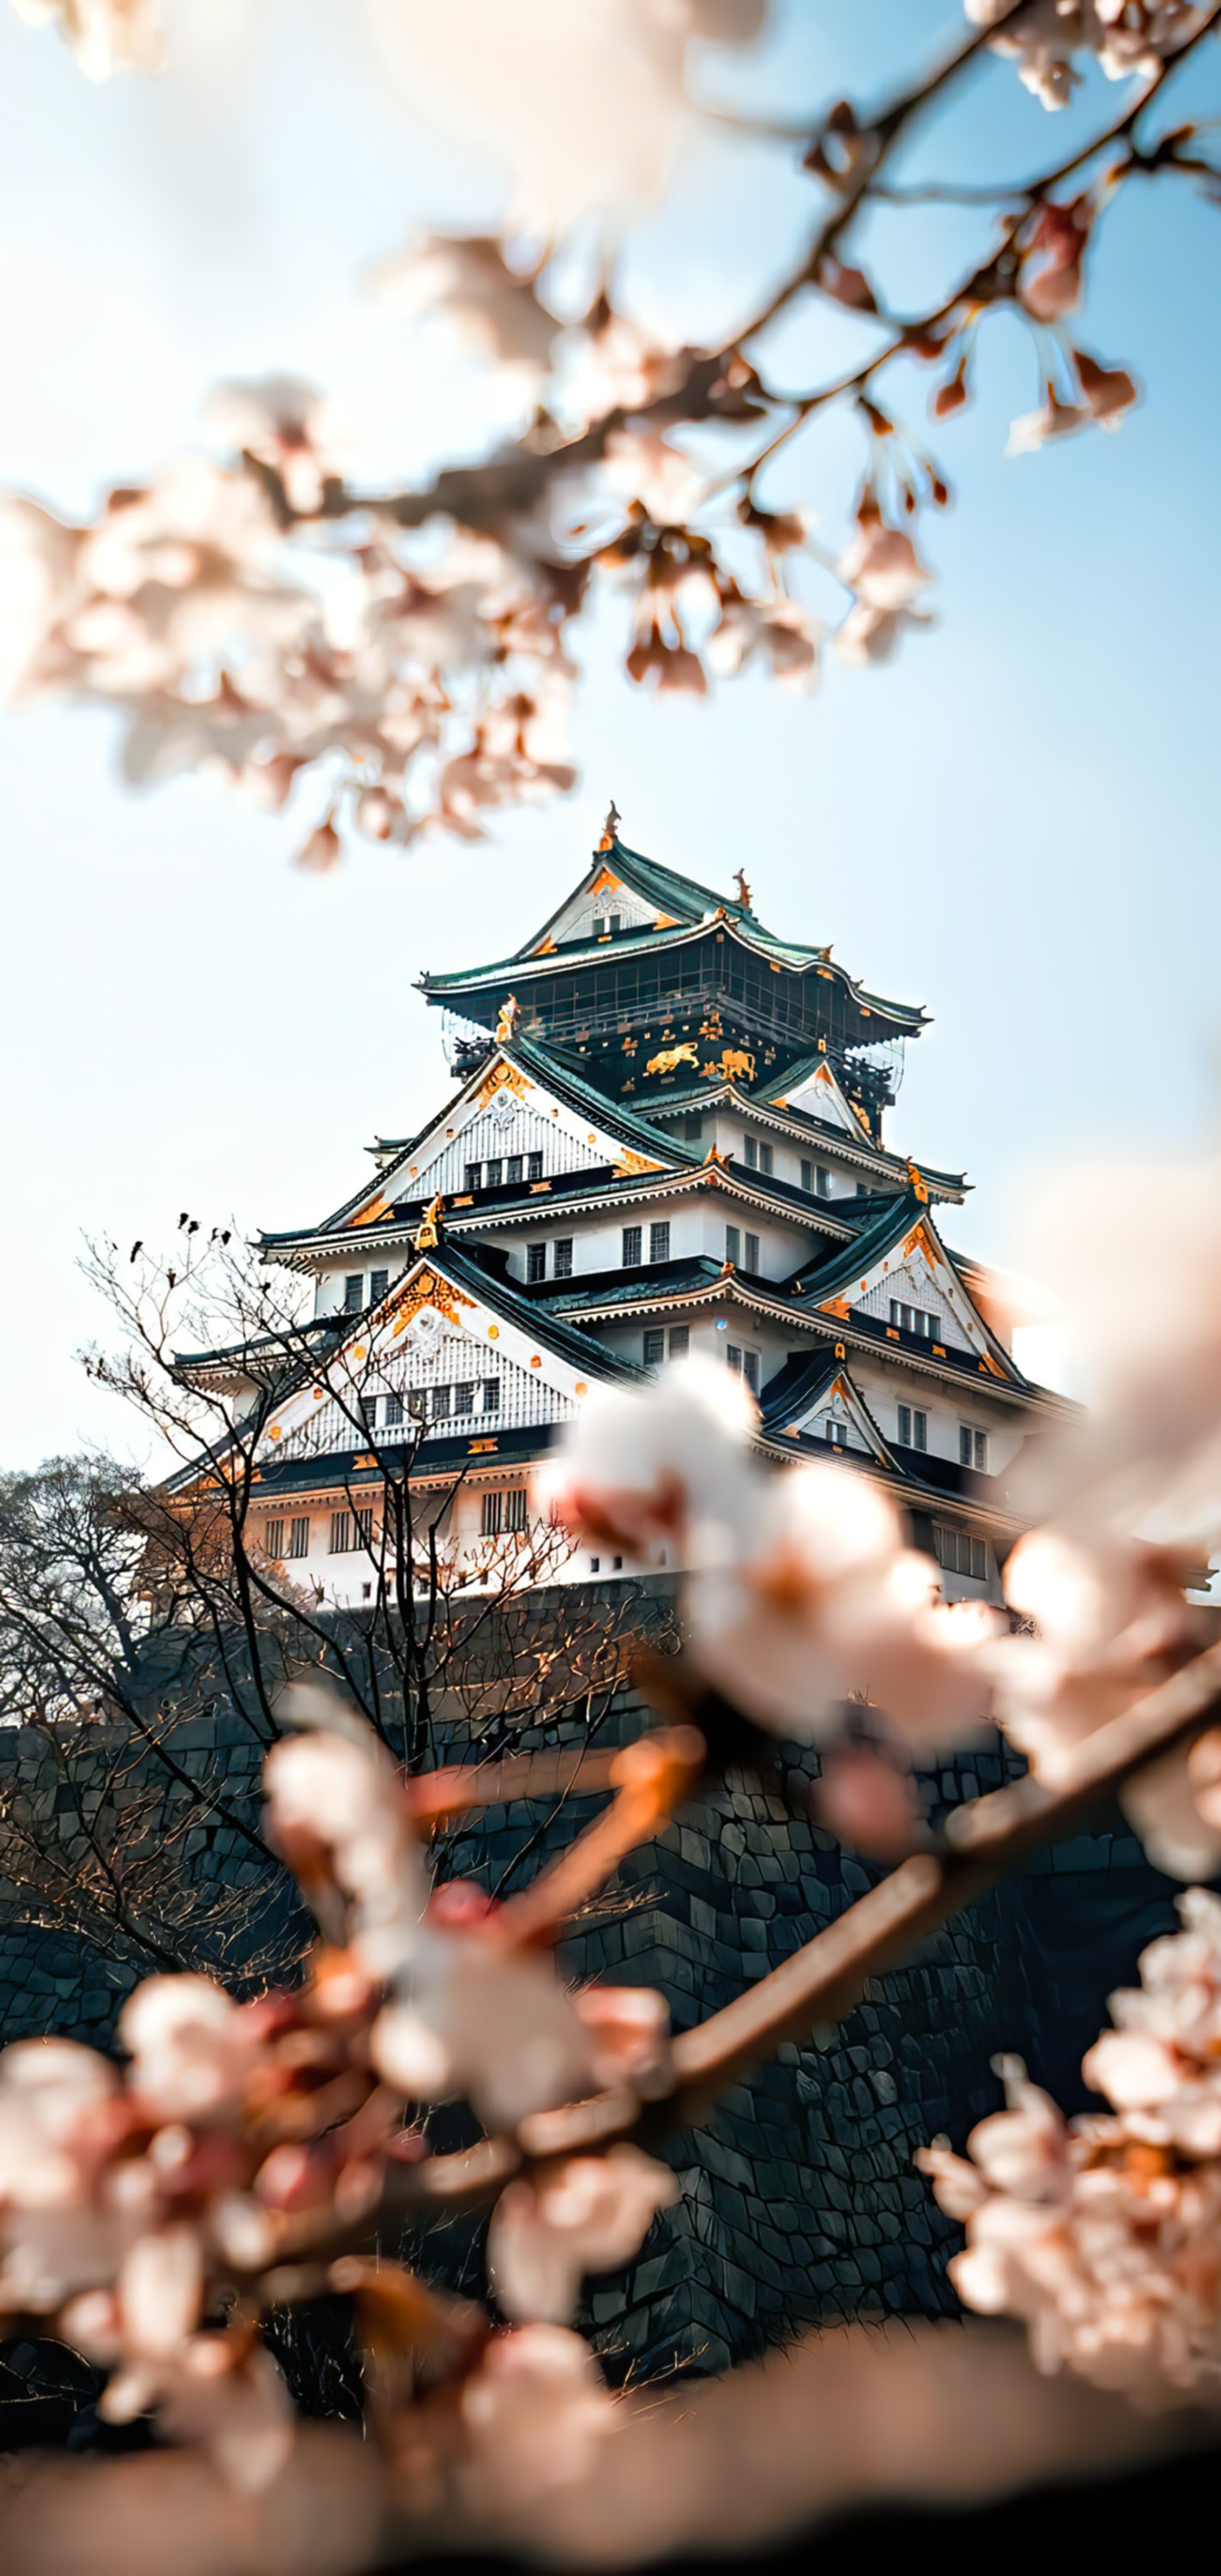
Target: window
[
  {"x": 474, "y": 1176},
  {"x": 298, "y": 1538},
  {"x": 693, "y": 1126},
  {"x": 659, "y": 1242},
  {"x": 513, "y": 1169},
  {"x": 379, "y": 1281},
  {"x": 680, "y": 1341},
  {"x": 493, "y": 1505},
  {"x": 273, "y": 1538},
  {"x": 750, "y": 1370},
  {"x": 491, "y": 1395},
  {"x": 364, "y": 1526},
  {"x": 440, "y": 1405},
  {"x": 495, "y": 1174},
  {"x": 504, "y": 1511},
  {"x": 354, "y": 1292},
  {"x": 536, "y": 1261},
  {"x": 733, "y": 1244},
  {"x": 752, "y": 1154},
  {"x": 561, "y": 1267},
  {"x": 632, "y": 1240},
  {"x": 766, "y": 1160},
  {"x": 823, "y": 1178},
  {"x": 837, "y": 1434},
  {"x": 464, "y": 1396},
  {"x": 515, "y": 1508},
  {"x": 534, "y": 1167},
  {"x": 654, "y": 1348},
  {"x": 861, "y": 1190},
  {"x": 392, "y": 1412},
  {"x": 752, "y": 1251},
  {"x": 595, "y": 1565},
  {"x": 973, "y": 1448},
  {"x": 734, "y": 1358},
  {"x": 913, "y": 1427},
  {"x": 913, "y": 1319},
  {"x": 807, "y": 1179},
  {"x": 959, "y": 1553},
  {"x": 342, "y": 1533}
]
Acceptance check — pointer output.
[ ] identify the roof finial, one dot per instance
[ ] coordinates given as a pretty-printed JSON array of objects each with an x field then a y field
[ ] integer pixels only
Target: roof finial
[
  {"x": 507, "y": 1022},
  {"x": 428, "y": 1232},
  {"x": 610, "y": 827},
  {"x": 743, "y": 890}
]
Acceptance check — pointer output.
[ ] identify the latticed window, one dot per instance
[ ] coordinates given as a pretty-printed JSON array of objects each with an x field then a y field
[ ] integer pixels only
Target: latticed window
[
  {"x": 534, "y": 1167},
  {"x": 659, "y": 1242},
  {"x": 680, "y": 1341},
  {"x": 913, "y": 1427},
  {"x": 298, "y": 1537},
  {"x": 752, "y": 1154},
  {"x": 752, "y": 1251},
  {"x": 515, "y": 1508},
  {"x": 513, "y": 1169},
  {"x": 913, "y": 1319},
  {"x": 654, "y": 1348},
  {"x": 536, "y": 1261},
  {"x": 493, "y": 1507},
  {"x": 495, "y": 1175},
  {"x": 959, "y": 1553},
  {"x": 491, "y": 1395},
  {"x": 440, "y": 1406},
  {"x": 364, "y": 1525},
  {"x": 766, "y": 1160},
  {"x": 733, "y": 1244},
  {"x": 392, "y": 1412},
  {"x": 474, "y": 1176},
  {"x": 354, "y": 1292},
  {"x": 973, "y": 1447},
  {"x": 562, "y": 1263},
  {"x": 632, "y": 1247},
  {"x": 464, "y": 1396},
  {"x": 379, "y": 1281},
  {"x": 273, "y": 1538},
  {"x": 343, "y": 1533}
]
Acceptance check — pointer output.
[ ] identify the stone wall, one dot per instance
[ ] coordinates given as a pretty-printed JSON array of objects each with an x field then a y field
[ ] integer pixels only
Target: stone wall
[{"x": 799, "y": 2198}]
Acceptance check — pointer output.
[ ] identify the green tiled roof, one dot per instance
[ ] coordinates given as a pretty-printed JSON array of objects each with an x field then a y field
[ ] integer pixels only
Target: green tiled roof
[{"x": 691, "y": 904}]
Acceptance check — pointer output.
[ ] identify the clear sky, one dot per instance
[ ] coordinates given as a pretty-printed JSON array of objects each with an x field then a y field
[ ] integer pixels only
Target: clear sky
[{"x": 1015, "y": 824}]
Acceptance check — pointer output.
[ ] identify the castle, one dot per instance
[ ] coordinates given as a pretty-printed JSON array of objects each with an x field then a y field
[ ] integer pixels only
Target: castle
[{"x": 668, "y": 1135}]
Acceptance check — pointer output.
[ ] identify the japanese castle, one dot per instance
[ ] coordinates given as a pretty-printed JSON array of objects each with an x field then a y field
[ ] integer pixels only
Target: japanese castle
[{"x": 668, "y": 1134}]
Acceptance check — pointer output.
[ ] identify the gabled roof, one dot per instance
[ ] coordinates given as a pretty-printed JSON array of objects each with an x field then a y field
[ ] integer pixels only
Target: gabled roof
[
  {"x": 807, "y": 1380},
  {"x": 690, "y": 906},
  {"x": 906, "y": 1223}
]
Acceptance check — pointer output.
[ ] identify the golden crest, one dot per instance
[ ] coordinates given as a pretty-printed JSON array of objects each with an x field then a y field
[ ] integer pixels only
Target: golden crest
[
  {"x": 503, "y": 1077},
  {"x": 917, "y": 1183},
  {"x": 428, "y": 1289},
  {"x": 369, "y": 1213},
  {"x": 629, "y": 1163},
  {"x": 507, "y": 1021}
]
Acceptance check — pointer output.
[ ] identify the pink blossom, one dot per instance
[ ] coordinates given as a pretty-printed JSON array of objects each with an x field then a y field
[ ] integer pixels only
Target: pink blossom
[
  {"x": 535, "y": 2413},
  {"x": 628, "y": 2030},
  {"x": 867, "y": 1803},
  {"x": 636, "y": 1470},
  {"x": 105, "y": 35},
  {"x": 466, "y": 280},
  {"x": 193, "y": 2049},
  {"x": 219, "y": 2389},
  {"x": 492, "y": 2025},
  {"x": 1056, "y": 420},
  {"x": 1113, "y": 1621},
  {"x": 774, "y": 632},
  {"x": 282, "y": 421},
  {"x": 824, "y": 1598},
  {"x": 583, "y": 2214},
  {"x": 881, "y": 564},
  {"x": 337, "y": 1812},
  {"x": 1127, "y": 37}
]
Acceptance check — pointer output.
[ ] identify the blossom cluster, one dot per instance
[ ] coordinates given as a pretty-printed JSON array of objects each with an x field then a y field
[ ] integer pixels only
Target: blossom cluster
[
  {"x": 1130, "y": 39},
  {"x": 802, "y": 1594},
  {"x": 1102, "y": 2233},
  {"x": 146, "y": 2215}
]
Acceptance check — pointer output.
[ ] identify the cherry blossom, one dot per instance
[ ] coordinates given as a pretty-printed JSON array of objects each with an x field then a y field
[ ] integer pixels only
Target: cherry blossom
[
  {"x": 536, "y": 2411},
  {"x": 582, "y": 2214},
  {"x": 882, "y": 569},
  {"x": 1113, "y": 1621},
  {"x": 192, "y": 2048},
  {"x": 221, "y": 2389},
  {"x": 1101, "y": 2232},
  {"x": 492, "y": 2025},
  {"x": 1128, "y": 37},
  {"x": 636, "y": 1470},
  {"x": 105, "y": 35},
  {"x": 824, "y": 1598},
  {"x": 465, "y": 281},
  {"x": 337, "y": 1815}
]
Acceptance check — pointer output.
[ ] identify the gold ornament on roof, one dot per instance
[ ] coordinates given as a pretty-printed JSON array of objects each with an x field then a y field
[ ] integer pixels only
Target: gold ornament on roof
[
  {"x": 916, "y": 1182},
  {"x": 743, "y": 890},
  {"x": 610, "y": 828},
  {"x": 507, "y": 1022},
  {"x": 670, "y": 1058},
  {"x": 428, "y": 1232}
]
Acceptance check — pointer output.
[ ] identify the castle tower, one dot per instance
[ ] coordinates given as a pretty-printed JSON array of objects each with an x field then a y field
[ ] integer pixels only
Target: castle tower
[{"x": 667, "y": 1135}]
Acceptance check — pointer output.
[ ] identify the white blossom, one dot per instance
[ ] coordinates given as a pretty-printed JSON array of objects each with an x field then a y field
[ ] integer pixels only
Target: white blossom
[
  {"x": 583, "y": 2214},
  {"x": 1128, "y": 38}
]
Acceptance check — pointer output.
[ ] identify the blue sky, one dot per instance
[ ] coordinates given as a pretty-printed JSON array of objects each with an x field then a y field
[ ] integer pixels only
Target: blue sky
[{"x": 1015, "y": 824}]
